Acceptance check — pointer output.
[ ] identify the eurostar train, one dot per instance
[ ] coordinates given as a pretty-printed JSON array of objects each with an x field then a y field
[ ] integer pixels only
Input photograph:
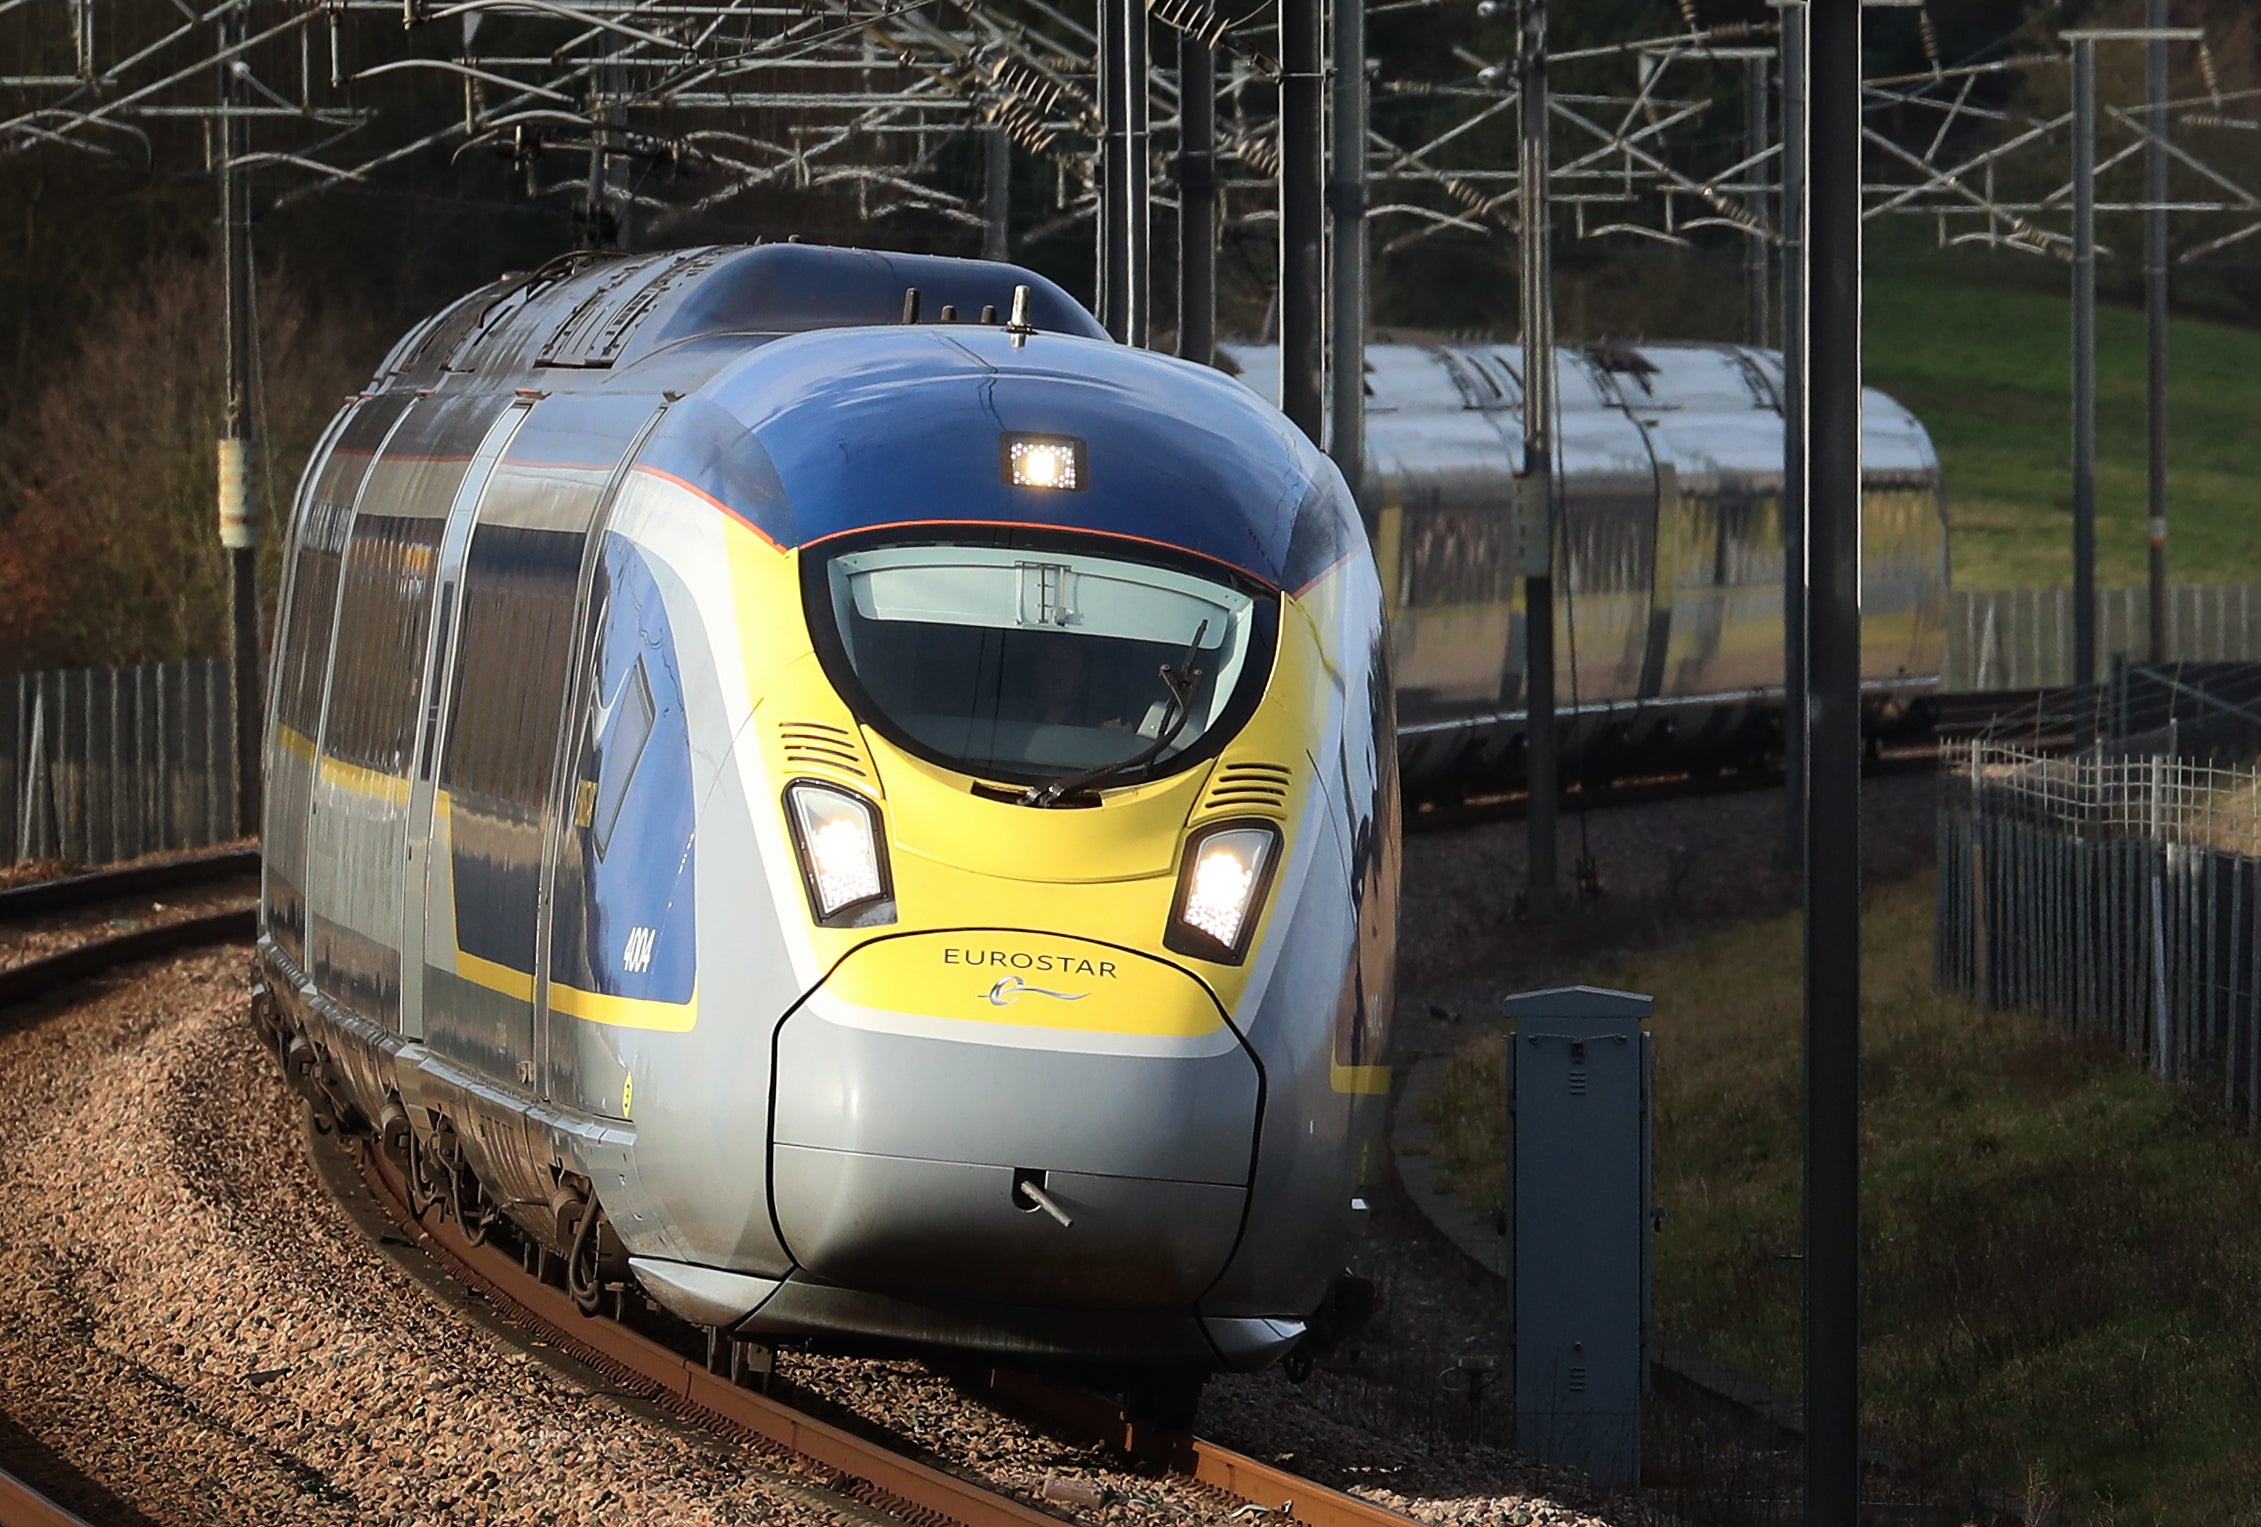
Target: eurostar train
[{"x": 811, "y": 784}]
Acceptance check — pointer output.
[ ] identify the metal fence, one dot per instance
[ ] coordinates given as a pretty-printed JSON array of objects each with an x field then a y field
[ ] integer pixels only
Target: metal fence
[
  {"x": 2120, "y": 895},
  {"x": 2022, "y": 638},
  {"x": 103, "y": 764}
]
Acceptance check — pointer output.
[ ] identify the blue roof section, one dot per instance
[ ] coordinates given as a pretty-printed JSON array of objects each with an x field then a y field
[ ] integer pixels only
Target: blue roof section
[
  {"x": 585, "y": 320},
  {"x": 792, "y": 288},
  {"x": 819, "y": 434}
]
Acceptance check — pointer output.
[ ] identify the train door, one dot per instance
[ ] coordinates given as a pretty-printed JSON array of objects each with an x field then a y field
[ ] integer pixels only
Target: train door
[
  {"x": 578, "y": 1070},
  {"x": 499, "y": 713},
  {"x": 439, "y": 663},
  {"x": 1442, "y": 428},
  {"x": 1670, "y": 534},
  {"x": 302, "y": 668},
  {"x": 1606, "y": 546},
  {"x": 357, "y": 813}
]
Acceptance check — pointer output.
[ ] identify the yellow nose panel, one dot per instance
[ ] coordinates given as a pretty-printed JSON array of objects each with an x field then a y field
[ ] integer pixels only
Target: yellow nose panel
[{"x": 1030, "y": 980}]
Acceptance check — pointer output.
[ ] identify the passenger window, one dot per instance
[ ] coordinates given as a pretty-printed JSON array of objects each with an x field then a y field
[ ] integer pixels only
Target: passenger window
[{"x": 630, "y": 722}]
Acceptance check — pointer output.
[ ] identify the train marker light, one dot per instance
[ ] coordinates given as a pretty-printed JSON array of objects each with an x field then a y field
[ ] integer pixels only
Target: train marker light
[
  {"x": 1220, "y": 889},
  {"x": 1045, "y": 461},
  {"x": 842, "y": 862}
]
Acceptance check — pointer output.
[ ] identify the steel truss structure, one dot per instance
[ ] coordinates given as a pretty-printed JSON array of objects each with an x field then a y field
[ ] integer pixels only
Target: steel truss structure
[{"x": 647, "y": 111}]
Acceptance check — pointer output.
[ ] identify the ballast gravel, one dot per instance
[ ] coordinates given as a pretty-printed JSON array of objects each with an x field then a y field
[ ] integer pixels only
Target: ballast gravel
[{"x": 201, "y": 1335}]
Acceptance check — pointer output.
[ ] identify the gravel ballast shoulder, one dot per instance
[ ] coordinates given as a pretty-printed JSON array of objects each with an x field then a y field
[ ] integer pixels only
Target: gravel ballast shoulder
[{"x": 201, "y": 1332}]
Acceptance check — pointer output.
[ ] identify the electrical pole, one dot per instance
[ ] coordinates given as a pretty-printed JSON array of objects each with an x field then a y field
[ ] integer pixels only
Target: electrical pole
[
  {"x": 1111, "y": 294},
  {"x": 1303, "y": 179},
  {"x": 1794, "y": 65},
  {"x": 1346, "y": 283},
  {"x": 1756, "y": 298},
  {"x": 1197, "y": 200},
  {"x": 1536, "y": 511},
  {"x": 1833, "y": 766},
  {"x": 2155, "y": 311},
  {"x": 596, "y": 210},
  {"x": 997, "y": 194},
  {"x": 2084, "y": 371},
  {"x": 1137, "y": 198},
  {"x": 597, "y": 226},
  {"x": 238, "y": 452}
]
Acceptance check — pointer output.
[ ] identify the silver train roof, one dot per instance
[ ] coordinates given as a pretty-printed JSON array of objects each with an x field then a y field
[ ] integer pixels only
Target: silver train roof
[{"x": 1650, "y": 381}]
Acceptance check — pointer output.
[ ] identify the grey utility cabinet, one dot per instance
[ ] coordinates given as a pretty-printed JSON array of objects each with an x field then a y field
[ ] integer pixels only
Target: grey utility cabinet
[{"x": 1579, "y": 1223}]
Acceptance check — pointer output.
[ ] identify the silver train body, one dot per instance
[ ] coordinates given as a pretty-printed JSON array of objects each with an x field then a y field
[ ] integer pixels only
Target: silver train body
[
  {"x": 1669, "y": 565},
  {"x": 675, "y": 656}
]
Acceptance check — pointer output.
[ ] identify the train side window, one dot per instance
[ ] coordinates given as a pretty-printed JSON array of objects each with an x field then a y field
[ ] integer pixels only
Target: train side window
[
  {"x": 633, "y": 713},
  {"x": 521, "y": 581},
  {"x": 517, "y": 615},
  {"x": 320, "y": 548},
  {"x": 521, "y": 587},
  {"x": 391, "y": 557}
]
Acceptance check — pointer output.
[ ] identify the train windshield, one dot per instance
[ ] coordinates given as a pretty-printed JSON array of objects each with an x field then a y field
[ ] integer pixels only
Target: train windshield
[{"x": 1033, "y": 665}]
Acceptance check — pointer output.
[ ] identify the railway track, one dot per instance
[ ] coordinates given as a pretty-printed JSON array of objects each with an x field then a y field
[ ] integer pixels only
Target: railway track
[
  {"x": 1514, "y": 805},
  {"x": 2041, "y": 719},
  {"x": 111, "y": 946}
]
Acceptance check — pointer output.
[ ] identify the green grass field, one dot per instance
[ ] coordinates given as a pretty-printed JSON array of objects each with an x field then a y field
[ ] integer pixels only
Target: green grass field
[
  {"x": 2062, "y": 1258},
  {"x": 1988, "y": 369}
]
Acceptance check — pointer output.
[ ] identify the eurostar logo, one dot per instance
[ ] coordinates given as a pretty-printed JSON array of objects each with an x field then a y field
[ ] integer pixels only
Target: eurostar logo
[{"x": 1006, "y": 991}]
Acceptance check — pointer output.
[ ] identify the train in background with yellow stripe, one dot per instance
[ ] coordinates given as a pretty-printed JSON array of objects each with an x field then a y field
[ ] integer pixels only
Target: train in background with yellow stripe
[{"x": 810, "y": 785}]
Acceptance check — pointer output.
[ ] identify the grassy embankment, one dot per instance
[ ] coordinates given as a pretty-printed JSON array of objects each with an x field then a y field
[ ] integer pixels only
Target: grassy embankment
[
  {"x": 1987, "y": 367},
  {"x": 2063, "y": 1259}
]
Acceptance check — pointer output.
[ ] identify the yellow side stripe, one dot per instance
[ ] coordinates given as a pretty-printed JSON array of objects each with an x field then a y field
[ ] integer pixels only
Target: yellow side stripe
[
  {"x": 1370, "y": 1081},
  {"x": 295, "y": 742},
  {"x": 593, "y": 1007},
  {"x": 625, "y": 1012},
  {"x": 495, "y": 977},
  {"x": 373, "y": 784}
]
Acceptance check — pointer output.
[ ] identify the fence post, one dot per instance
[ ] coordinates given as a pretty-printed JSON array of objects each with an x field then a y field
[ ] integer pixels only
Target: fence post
[
  {"x": 113, "y": 794},
  {"x": 12, "y": 767},
  {"x": 2226, "y": 976},
  {"x": 35, "y": 769}
]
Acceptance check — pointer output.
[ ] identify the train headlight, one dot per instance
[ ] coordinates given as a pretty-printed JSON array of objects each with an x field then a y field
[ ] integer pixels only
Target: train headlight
[
  {"x": 1221, "y": 890},
  {"x": 1045, "y": 461},
  {"x": 843, "y": 856}
]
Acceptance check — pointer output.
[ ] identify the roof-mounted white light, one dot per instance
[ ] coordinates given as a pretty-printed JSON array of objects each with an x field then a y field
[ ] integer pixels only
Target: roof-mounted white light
[{"x": 1054, "y": 462}]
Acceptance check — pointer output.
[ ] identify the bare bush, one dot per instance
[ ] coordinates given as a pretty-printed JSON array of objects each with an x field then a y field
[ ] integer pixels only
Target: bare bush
[{"x": 109, "y": 550}]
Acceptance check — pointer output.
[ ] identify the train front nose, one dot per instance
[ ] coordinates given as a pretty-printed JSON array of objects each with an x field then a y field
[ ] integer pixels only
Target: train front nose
[{"x": 934, "y": 1073}]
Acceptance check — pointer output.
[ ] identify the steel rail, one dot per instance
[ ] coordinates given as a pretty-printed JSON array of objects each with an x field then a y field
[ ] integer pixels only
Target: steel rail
[
  {"x": 44, "y": 896},
  {"x": 881, "y": 1477},
  {"x": 22, "y": 1506},
  {"x": 38, "y": 978},
  {"x": 1268, "y": 1488}
]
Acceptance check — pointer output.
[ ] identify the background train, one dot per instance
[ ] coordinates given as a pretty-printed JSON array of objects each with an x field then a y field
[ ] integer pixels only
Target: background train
[
  {"x": 812, "y": 783},
  {"x": 1669, "y": 592}
]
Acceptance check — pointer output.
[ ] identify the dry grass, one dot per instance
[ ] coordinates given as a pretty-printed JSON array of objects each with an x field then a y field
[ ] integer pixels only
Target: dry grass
[{"x": 2063, "y": 1260}]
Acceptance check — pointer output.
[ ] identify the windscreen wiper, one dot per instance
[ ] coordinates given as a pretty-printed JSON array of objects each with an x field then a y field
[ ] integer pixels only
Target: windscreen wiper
[{"x": 1176, "y": 712}]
